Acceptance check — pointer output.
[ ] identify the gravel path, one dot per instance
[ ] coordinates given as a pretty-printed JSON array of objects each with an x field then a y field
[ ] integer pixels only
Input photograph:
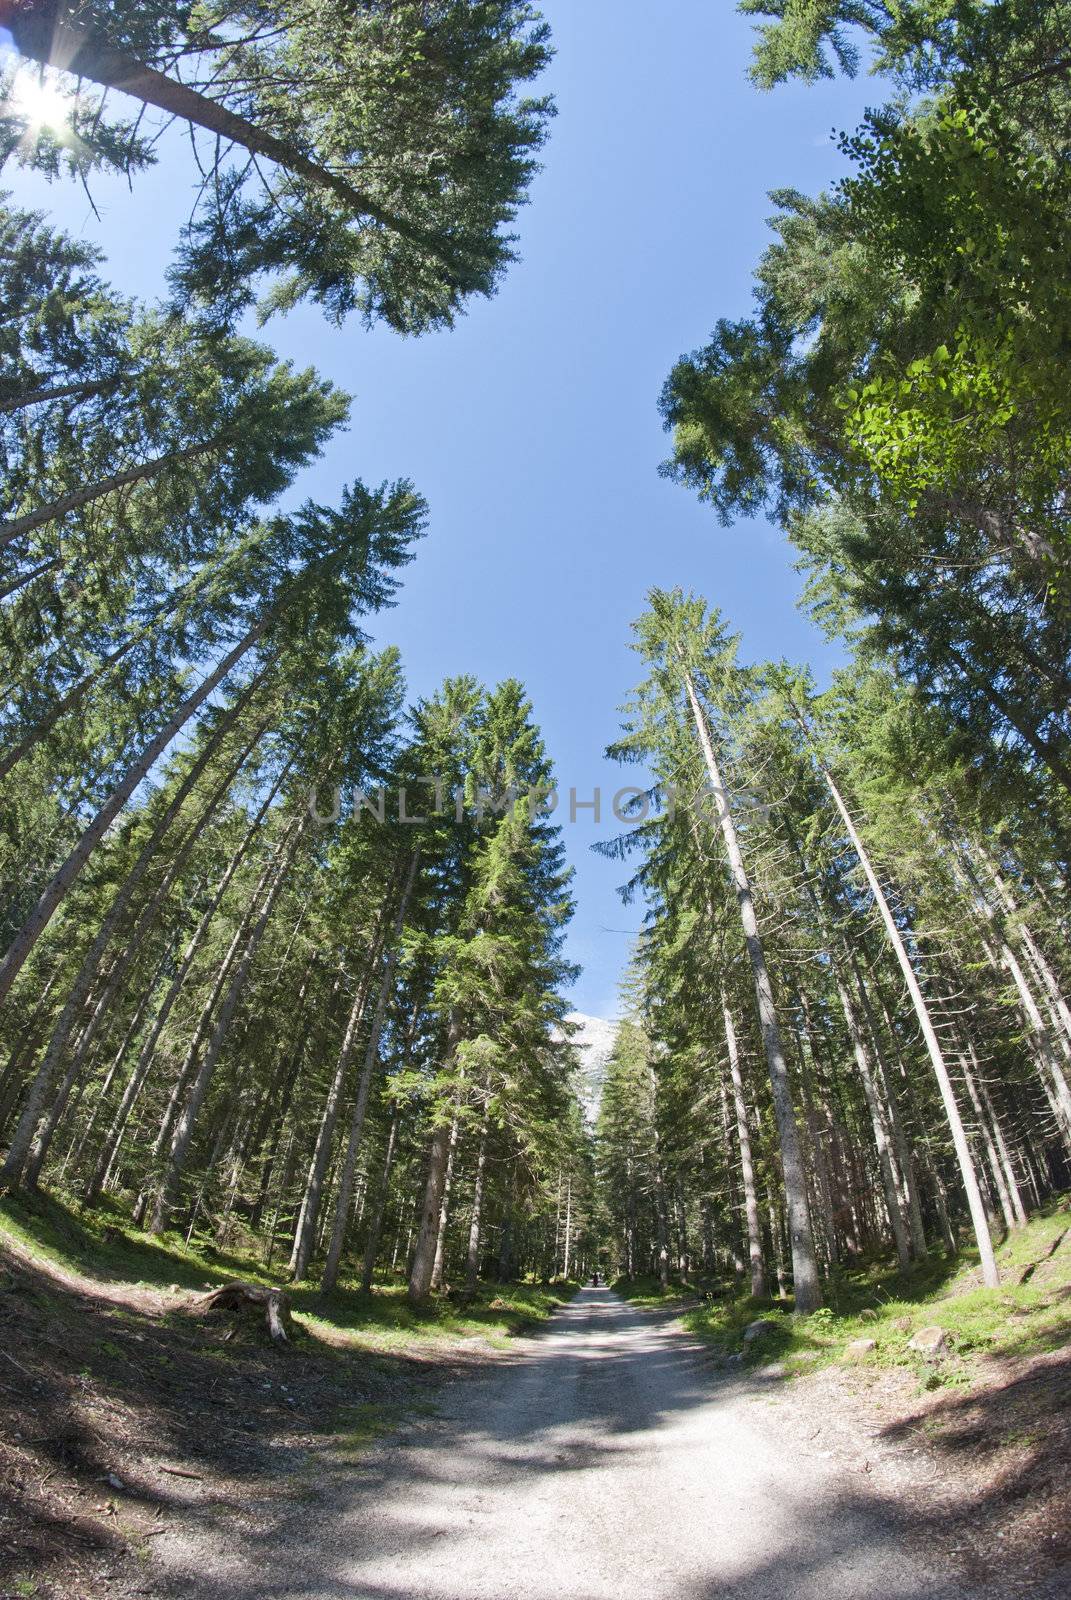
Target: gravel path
[{"x": 607, "y": 1461}]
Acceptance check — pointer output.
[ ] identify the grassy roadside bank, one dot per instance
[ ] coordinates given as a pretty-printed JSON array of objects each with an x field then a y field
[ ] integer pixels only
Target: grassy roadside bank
[
  {"x": 1029, "y": 1314},
  {"x": 103, "y": 1247}
]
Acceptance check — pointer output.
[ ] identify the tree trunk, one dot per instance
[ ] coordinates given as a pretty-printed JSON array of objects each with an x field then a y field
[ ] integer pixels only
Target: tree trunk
[
  {"x": 24, "y": 580},
  {"x": 56, "y": 509},
  {"x": 212, "y": 572},
  {"x": 567, "y": 1256},
  {"x": 898, "y": 1185},
  {"x": 285, "y": 1178},
  {"x": 55, "y": 391},
  {"x": 822, "y": 1207},
  {"x": 1011, "y": 1207},
  {"x": 661, "y": 1222},
  {"x": 276, "y": 1109},
  {"x": 904, "y": 1153},
  {"x": 396, "y": 1250},
  {"x": 60, "y": 1104},
  {"x": 16, "y": 1075},
  {"x": 19, "y": 1158},
  {"x": 444, "y": 1211},
  {"x": 183, "y": 1135},
  {"x": 706, "y": 1213},
  {"x": 90, "y": 966},
  {"x": 280, "y": 1112},
  {"x": 555, "y": 1268},
  {"x": 424, "y": 1259},
  {"x": 878, "y": 1123},
  {"x": 1051, "y": 758},
  {"x": 204, "y": 1020},
  {"x": 67, "y": 702},
  {"x": 808, "y": 1294},
  {"x": 775, "y": 1243},
  {"x": 41, "y": 35},
  {"x": 438, "y": 1155},
  {"x": 630, "y": 1218},
  {"x": 309, "y": 1214},
  {"x": 1038, "y": 959},
  {"x": 360, "y": 1104},
  {"x": 1001, "y": 955},
  {"x": 747, "y": 1167},
  {"x": 1004, "y": 1155},
  {"x": 506, "y": 1240},
  {"x": 375, "y": 1227},
  {"x": 683, "y": 1252},
  {"x": 372, "y": 1246},
  {"x": 209, "y": 1168},
  {"x": 472, "y": 1257},
  {"x": 147, "y": 1053},
  {"x": 1045, "y": 1053},
  {"x": 990, "y": 1274},
  {"x": 85, "y": 1135},
  {"x": 52, "y": 897}
]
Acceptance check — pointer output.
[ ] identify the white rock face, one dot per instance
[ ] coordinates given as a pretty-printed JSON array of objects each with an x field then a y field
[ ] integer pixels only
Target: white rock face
[{"x": 593, "y": 1041}]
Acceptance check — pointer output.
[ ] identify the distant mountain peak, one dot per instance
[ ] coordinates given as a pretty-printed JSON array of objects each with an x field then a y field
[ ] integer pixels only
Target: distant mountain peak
[{"x": 593, "y": 1041}]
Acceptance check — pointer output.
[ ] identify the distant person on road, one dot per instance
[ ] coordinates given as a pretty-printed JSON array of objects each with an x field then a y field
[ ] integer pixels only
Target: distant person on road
[{"x": 594, "y": 1280}]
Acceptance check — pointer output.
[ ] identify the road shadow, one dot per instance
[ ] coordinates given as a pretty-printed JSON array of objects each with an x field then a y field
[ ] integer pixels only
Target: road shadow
[
  {"x": 577, "y": 1403},
  {"x": 118, "y": 1416}
]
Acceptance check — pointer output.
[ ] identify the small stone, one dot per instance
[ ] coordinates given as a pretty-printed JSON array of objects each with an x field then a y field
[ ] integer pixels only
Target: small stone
[
  {"x": 756, "y": 1329},
  {"x": 869, "y": 1315},
  {"x": 929, "y": 1342},
  {"x": 734, "y": 1361},
  {"x": 860, "y": 1347},
  {"x": 114, "y": 1481},
  {"x": 773, "y": 1369}
]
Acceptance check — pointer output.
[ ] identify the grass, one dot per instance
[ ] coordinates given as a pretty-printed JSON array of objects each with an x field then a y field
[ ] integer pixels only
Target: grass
[
  {"x": 104, "y": 1246},
  {"x": 1028, "y": 1314},
  {"x": 384, "y": 1319},
  {"x": 359, "y": 1426},
  {"x": 648, "y": 1291}
]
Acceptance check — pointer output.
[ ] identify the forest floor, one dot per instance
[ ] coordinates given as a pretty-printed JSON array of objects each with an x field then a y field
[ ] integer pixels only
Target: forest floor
[{"x": 125, "y": 1414}]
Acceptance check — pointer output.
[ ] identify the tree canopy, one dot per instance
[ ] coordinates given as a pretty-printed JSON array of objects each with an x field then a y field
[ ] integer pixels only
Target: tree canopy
[{"x": 370, "y": 157}]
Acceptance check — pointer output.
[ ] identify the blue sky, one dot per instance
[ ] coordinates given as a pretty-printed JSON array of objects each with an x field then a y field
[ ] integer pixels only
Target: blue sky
[{"x": 532, "y": 428}]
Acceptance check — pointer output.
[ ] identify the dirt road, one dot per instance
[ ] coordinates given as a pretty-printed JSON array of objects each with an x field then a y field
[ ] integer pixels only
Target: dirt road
[{"x": 605, "y": 1462}]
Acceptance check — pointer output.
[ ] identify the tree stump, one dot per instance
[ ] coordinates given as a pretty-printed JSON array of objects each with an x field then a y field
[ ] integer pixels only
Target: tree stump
[{"x": 246, "y": 1297}]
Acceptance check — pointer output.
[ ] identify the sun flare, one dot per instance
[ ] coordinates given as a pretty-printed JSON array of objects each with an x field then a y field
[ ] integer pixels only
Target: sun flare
[{"x": 40, "y": 103}]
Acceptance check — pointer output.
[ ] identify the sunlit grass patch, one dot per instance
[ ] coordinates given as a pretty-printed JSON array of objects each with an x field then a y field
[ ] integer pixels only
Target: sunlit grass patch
[
  {"x": 385, "y": 1320},
  {"x": 102, "y": 1244},
  {"x": 1028, "y": 1314},
  {"x": 648, "y": 1291}
]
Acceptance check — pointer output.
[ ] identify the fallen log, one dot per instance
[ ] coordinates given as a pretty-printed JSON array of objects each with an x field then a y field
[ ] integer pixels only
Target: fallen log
[{"x": 243, "y": 1297}]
